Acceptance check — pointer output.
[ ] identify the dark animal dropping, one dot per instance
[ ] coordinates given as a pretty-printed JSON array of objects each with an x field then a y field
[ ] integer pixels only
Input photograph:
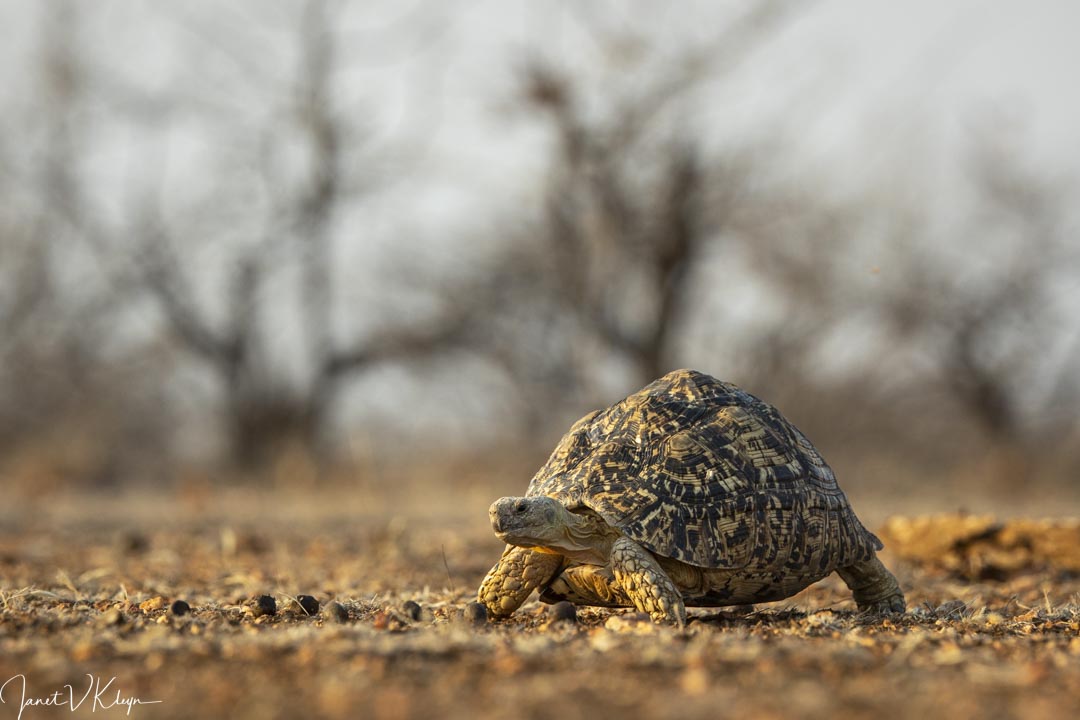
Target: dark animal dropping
[
  {"x": 264, "y": 605},
  {"x": 308, "y": 604},
  {"x": 411, "y": 610}
]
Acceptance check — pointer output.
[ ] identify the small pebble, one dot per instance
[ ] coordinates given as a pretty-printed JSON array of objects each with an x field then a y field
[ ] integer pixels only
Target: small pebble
[
  {"x": 337, "y": 612},
  {"x": 308, "y": 604},
  {"x": 112, "y": 617},
  {"x": 637, "y": 623},
  {"x": 563, "y": 611},
  {"x": 475, "y": 613},
  {"x": 412, "y": 610},
  {"x": 264, "y": 605},
  {"x": 179, "y": 608},
  {"x": 154, "y": 603}
]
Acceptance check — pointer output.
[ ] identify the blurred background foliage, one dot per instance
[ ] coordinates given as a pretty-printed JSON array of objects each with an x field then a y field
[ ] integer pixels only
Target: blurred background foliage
[{"x": 305, "y": 240}]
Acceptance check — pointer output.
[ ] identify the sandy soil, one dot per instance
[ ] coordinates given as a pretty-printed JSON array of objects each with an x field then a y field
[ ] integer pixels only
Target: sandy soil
[{"x": 88, "y": 583}]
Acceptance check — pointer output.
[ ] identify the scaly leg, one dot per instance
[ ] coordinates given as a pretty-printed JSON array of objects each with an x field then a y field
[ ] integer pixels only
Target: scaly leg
[
  {"x": 874, "y": 587},
  {"x": 646, "y": 583},
  {"x": 518, "y": 572},
  {"x": 586, "y": 585}
]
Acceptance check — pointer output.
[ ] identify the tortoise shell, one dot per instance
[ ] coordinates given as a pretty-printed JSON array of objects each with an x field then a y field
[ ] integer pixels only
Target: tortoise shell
[{"x": 701, "y": 471}]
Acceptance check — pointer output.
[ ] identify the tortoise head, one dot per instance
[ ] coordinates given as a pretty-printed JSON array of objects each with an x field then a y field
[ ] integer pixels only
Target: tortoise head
[
  {"x": 545, "y": 523},
  {"x": 528, "y": 521}
]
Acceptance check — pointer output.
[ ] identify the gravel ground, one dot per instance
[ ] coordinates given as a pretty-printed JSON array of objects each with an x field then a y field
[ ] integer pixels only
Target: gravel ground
[{"x": 325, "y": 608}]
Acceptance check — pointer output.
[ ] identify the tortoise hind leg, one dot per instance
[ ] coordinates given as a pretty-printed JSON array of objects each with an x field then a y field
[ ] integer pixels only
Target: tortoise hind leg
[
  {"x": 586, "y": 585},
  {"x": 518, "y": 572},
  {"x": 874, "y": 587}
]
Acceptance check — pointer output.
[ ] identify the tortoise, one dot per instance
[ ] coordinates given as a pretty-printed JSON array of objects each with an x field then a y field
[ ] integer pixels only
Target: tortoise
[{"x": 690, "y": 491}]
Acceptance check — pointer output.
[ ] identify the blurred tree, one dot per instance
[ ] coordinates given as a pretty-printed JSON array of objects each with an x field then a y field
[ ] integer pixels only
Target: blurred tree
[
  {"x": 991, "y": 317},
  {"x": 79, "y": 360},
  {"x": 71, "y": 402},
  {"x": 267, "y": 412},
  {"x": 961, "y": 340},
  {"x": 632, "y": 199}
]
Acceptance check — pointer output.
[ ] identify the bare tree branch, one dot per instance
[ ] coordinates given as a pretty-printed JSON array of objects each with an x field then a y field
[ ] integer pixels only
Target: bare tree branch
[
  {"x": 161, "y": 275},
  {"x": 315, "y": 207}
]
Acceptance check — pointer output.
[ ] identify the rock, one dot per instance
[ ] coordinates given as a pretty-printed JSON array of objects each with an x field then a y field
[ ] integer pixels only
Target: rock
[
  {"x": 112, "y": 617},
  {"x": 637, "y": 623},
  {"x": 154, "y": 603},
  {"x": 563, "y": 611},
  {"x": 336, "y": 612},
  {"x": 475, "y": 614}
]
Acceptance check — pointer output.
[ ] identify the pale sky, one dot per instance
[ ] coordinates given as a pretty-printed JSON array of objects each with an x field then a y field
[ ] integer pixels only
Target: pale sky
[
  {"x": 864, "y": 78},
  {"x": 868, "y": 84}
]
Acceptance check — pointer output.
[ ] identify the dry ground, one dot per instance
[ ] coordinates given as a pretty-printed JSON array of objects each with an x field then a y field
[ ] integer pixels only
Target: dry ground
[{"x": 993, "y": 628}]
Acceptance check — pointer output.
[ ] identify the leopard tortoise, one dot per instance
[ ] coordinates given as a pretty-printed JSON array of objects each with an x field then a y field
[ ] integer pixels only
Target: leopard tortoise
[{"x": 688, "y": 492}]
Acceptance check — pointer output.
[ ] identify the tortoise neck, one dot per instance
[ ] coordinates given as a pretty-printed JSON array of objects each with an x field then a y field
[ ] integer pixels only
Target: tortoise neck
[{"x": 586, "y": 537}]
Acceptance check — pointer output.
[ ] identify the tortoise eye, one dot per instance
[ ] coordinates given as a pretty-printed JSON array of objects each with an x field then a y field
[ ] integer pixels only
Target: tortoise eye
[{"x": 520, "y": 507}]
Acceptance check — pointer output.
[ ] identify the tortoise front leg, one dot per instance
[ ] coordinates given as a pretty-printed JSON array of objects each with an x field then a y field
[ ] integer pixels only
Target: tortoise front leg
[
  {"x": 874, "y": 587},
  {"x": 646, "y": 583},
  {"x": 518, "y": 572}
]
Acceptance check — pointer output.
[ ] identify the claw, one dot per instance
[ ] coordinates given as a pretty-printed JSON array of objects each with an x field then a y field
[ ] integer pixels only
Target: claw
[{"x": 892, "y": 605}]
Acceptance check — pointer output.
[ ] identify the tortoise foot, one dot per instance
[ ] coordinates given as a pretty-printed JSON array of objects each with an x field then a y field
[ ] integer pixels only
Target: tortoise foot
[
  {"x": 874, "y": 587},
  {"x": 892, "y": 605}
]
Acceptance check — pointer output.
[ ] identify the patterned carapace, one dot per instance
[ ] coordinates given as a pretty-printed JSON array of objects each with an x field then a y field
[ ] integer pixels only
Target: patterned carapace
[{"x": 698, "y": 470}]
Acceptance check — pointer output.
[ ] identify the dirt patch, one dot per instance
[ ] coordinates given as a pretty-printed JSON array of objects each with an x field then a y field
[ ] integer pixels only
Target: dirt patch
[
  {"x": 86, "y": 592},
  {"x": 984, "y": 547}
]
